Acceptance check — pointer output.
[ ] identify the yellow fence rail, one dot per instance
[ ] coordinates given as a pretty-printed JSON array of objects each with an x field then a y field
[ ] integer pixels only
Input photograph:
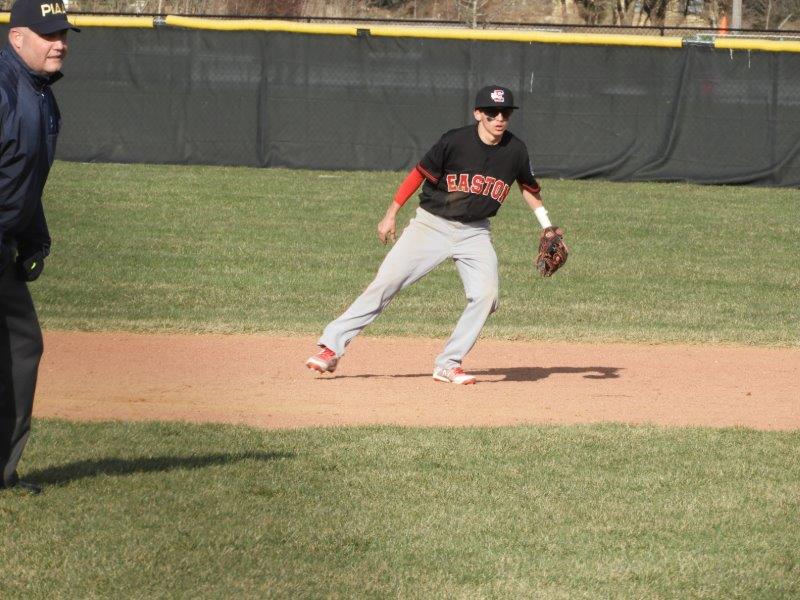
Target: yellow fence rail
[{"x": 728, "y": 42}]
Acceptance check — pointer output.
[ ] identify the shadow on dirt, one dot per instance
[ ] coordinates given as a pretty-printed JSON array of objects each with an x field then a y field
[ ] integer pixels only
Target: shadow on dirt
[
  {"x": 507, "y": 374},
  {"x": 537, "y": 373},
  {"x": 128, "y": 466}
]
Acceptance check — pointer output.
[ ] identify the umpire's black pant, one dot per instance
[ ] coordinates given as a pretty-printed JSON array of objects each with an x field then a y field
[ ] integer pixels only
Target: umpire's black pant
[{"x": 20, "y": 350}]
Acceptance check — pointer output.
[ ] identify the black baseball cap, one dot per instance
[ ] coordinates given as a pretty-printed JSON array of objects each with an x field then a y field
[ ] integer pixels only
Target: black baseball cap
[
  {"x": 41, "y": 16},
  {"x": 494, "y": 96}
]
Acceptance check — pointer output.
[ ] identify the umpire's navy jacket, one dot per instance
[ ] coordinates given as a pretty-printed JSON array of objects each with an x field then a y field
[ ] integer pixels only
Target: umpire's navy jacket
[{"x": 29, "y": 124}]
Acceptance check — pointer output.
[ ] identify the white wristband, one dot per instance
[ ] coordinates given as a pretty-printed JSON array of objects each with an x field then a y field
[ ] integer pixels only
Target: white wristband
[{"x": 541, "y": 215}]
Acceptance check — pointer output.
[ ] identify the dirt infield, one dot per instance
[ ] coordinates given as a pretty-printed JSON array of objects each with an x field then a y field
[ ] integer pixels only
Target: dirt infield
[{"x": 261, "y": 380}]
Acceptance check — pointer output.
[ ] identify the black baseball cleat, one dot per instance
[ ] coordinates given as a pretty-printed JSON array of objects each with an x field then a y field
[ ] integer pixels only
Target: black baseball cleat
[
  {"x": 28, "y": 486},
  {"x": 22, "y": 486}
]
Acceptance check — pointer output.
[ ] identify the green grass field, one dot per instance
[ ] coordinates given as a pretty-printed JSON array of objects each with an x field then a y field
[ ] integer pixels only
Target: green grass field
[
  {"x": 180, "y": 511},
  {"x": 176, "y": 511},
  {"x": 235, "y": 249}
]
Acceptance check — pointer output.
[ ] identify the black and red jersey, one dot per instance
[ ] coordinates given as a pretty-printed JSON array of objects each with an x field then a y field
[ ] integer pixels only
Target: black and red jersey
[{"x": 467, "y": 179}]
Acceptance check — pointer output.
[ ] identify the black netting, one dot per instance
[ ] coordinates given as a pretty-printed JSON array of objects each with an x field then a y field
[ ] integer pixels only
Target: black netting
[{"x": 338, "y": 102}]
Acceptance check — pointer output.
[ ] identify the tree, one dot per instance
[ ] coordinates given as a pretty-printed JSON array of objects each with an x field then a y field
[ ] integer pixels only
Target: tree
[
  {"x": 771, "y": 14},
  {"x": 470, "y": 11}
]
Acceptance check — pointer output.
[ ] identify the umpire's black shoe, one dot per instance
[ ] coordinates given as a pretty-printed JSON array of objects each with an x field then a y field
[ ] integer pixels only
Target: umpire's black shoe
[
  {"x": 22, "y": 486},
  {"x": 28, "y": 486}
]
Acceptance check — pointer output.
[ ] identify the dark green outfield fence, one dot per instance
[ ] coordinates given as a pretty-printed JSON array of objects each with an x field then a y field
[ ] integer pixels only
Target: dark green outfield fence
[{"x": 614, "y": 107}]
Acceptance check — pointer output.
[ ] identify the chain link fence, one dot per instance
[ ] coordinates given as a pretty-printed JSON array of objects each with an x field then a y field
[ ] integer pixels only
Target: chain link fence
[{"x": 770, "y": 18}]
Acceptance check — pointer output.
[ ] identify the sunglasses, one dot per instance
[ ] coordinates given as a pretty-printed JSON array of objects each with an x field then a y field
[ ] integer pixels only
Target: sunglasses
[{"x": 492, "y": 113}]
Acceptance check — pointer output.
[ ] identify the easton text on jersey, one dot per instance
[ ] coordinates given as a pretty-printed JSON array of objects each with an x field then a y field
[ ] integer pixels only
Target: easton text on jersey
[{"x": 479, "y": 185}]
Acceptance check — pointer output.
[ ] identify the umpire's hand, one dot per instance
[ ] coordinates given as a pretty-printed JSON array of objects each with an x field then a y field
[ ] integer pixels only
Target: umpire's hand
[{"x": 31, "y": 266}]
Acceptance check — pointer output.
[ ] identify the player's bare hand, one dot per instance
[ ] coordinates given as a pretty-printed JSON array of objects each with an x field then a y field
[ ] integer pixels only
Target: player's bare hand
[{"x": 387, "y": 231}]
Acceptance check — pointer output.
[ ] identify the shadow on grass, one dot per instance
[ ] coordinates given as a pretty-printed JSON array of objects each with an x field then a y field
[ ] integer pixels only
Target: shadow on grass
[
  {"x": 128, "y": 466},
  {"x": 506, "y": 374}
]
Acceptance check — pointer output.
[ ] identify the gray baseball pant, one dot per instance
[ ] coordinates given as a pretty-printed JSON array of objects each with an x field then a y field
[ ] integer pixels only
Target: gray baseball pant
[{"x": 426, "y": 243}]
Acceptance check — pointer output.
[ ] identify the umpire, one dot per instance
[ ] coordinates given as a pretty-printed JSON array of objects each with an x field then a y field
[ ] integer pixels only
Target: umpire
[{"x": 29, "y": 123}]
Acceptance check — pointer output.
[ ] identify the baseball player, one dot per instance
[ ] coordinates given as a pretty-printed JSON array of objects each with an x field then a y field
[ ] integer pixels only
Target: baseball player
[{"x": 467, "y": 177}]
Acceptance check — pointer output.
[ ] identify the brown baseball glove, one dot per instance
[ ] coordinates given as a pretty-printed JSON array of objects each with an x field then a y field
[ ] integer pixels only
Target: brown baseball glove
[{"x": 553, "y": 252}]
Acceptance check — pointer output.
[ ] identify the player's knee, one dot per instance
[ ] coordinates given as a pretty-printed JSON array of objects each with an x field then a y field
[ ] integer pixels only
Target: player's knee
[
  {"x": 392, "y": 287},
  {"x": 388, "y": 283},
  {"x": 487, "y": 297}
]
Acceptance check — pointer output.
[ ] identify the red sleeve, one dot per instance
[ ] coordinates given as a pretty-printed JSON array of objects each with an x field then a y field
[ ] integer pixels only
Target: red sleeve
[
  {"x": 533, "y": 187},
  {"x": 409, "y": 186}
]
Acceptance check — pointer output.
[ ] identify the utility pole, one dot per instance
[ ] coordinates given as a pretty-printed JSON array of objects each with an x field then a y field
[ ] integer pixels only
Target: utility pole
[{"x": 736, "y": 17}]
